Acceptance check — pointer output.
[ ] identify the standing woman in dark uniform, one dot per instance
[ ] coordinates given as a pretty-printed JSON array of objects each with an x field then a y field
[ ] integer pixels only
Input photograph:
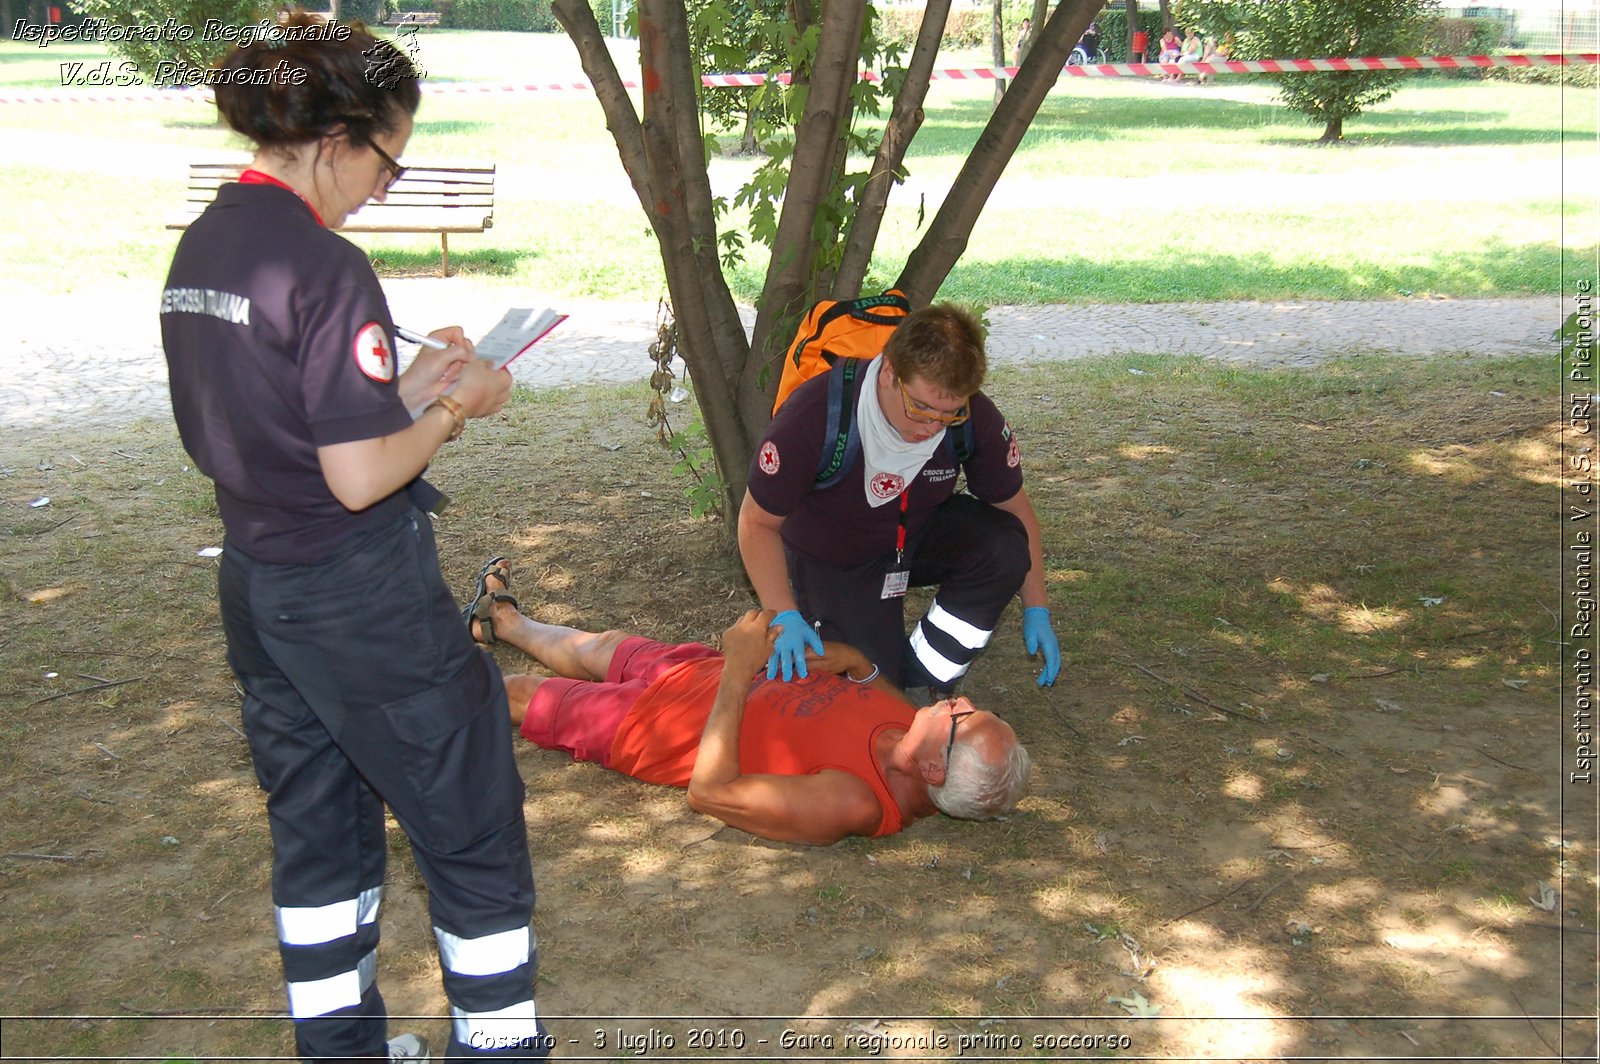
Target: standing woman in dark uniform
[{"x": 361, "y": 686}]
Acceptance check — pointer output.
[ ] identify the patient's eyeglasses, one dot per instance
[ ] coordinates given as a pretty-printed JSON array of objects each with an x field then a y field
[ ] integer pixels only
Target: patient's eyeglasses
[{"x": 955, "y": 718}]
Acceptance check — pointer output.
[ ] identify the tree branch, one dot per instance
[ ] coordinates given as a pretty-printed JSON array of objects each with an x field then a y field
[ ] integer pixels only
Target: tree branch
[
  {"x": 786, "y": 291},
  {"x": 577, "y": 18},
  {"x": 905, "y": 118},
  {"x": 937, "y": 253},
  {"x": 664, "y": 160},
  {"x": 722, "y": 316}
]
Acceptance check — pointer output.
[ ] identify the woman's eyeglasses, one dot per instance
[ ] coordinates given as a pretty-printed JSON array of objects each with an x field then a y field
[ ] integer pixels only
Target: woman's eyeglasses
[{"x": 396, "y": 171}]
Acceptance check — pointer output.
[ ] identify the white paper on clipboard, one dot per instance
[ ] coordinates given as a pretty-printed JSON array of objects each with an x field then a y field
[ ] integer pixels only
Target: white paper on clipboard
[{"x": 517, "y": 331}]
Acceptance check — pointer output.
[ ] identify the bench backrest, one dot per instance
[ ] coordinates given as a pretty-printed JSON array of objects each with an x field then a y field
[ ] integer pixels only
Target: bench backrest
[{"x": 426, "y": 188}]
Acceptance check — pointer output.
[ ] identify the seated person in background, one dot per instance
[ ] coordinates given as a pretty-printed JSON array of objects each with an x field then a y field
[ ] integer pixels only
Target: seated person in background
[
  {"x": 1090, "y": 41},
  {"x": 1171, "y": 48},
  {"x": 1216, "y": 52},
  {"x": 1193, "y": 49},
  {"x": 839, "y": 753}
]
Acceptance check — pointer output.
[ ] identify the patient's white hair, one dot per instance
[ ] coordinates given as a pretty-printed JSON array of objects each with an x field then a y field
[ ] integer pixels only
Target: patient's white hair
[{"x": 974, "y": 789}]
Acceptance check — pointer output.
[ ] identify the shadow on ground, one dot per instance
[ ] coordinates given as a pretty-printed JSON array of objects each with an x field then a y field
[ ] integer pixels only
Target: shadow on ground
[{"x": 1291, "y": 800}]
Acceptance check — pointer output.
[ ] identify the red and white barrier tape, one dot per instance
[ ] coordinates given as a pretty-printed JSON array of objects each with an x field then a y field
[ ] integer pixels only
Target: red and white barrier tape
[
  {"x": 1105, "y": 70},
  {"x": 1293, "y": 66}
]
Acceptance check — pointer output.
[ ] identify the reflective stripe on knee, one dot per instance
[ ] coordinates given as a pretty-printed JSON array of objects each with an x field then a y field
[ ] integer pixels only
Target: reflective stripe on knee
[
  {"x": 945, "y": 645},
  {"x": 513, "y": 1026},
  {"x": 969, "y": 636},
  {"x": 318, "y": 997},
  {"x": 939, "y": 667},
  {"x": 488, "y": 955},
  {"x": 316, "y": 924}
]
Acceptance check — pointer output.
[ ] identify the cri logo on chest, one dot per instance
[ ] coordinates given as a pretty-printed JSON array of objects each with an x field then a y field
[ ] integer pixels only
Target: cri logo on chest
[{"x": 887, "y": 485}]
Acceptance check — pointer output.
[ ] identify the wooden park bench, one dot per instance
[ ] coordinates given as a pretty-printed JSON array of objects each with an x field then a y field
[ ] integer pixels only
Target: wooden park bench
[
  {"x": 429, "y": 198},
  {"x": 413, "y": 18}
]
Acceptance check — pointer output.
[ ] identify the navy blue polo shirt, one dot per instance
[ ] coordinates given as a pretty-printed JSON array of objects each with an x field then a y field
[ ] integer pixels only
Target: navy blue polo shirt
[
  {"x": 835, "y": 525},
  {"x": 278, "y": 341}
]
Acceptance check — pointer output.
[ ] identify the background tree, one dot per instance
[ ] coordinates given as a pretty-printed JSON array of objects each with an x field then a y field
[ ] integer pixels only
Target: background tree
[
  {"x": 739, "y": 36},
  {"x": 1311, "y": 29},
  {"x": 191, "y": 52},
  {"x": 821, "y": 222},
  {"x": 997, "y": 46}
]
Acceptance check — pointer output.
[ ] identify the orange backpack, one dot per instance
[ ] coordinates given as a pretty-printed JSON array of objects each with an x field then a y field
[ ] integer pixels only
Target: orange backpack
[
  {"x": 844, "y": 336},
  {"x": 839, "y": 328}
]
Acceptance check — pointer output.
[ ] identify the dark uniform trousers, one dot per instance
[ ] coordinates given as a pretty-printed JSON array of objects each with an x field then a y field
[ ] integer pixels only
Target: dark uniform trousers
[
  {"x": 976, "y": 555},
  {"x": 363, "y": 688}
]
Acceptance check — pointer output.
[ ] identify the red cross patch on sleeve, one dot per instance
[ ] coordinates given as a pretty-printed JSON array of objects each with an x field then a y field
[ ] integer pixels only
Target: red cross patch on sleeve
[
  {"x": 767, "y": 459},
  {"x": 374, "y": 353}
]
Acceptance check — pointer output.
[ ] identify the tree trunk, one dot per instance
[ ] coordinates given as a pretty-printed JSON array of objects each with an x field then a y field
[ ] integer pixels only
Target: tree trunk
[
  {"x": 1166, "y": 14},
  {"x": 997, "y": 42},
  {"x": 946, "y": 239},
  {"x": 818, "y": 159},
  {"x": 747, "y": 139},
  {"x": 1131, "y": 8},
  {"x": 662, "y": 155},
  {"x": 1334, "y": 131}
]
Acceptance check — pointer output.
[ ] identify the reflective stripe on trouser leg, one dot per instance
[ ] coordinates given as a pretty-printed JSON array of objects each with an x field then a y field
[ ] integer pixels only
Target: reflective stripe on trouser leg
[
  {"x": 329, "y": 953},
  {"x": 478, "y": 972},
  {"x": 310, "y": 998},
  {"x": 945, "y": 645},
  {"x": 312, "y": 925}
]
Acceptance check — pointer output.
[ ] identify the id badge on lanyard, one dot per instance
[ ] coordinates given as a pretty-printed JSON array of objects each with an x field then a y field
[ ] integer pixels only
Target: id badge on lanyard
[{"x": 898, "y": 578}]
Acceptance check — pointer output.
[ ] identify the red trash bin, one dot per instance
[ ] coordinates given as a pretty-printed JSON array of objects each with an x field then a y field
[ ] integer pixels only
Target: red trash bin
[{"x": 1140, "y": 40}]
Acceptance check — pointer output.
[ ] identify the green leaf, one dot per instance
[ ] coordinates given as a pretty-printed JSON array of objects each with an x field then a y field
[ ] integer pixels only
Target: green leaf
[{"x": 1137, "y": 1005}]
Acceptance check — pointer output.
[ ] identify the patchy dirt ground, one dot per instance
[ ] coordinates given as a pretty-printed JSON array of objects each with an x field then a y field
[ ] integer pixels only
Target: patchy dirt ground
[{"x": 1292, "y": 799}]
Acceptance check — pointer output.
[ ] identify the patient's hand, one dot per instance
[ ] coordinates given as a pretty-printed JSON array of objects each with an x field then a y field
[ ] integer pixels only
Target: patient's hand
[
  {"x": 747, "y": 644},
  {"x": 841, "y": 659}
]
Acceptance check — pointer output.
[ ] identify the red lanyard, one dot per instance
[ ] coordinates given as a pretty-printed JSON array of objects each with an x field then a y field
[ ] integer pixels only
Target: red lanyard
[
  {"x": 256, "y": 177},
  {"x": 900, "y": 533}
]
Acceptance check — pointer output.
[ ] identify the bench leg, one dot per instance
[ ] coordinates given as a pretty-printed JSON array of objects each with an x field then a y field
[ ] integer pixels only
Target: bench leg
[{"x": 444, "y": 254}]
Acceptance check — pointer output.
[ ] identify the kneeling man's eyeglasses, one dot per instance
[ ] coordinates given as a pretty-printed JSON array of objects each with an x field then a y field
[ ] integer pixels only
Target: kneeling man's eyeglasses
[{"x": 917, "y": 412}]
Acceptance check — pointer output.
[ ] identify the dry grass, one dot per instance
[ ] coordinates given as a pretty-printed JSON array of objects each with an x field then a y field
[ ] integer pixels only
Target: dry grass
[{"x": 1275, "y": 782}]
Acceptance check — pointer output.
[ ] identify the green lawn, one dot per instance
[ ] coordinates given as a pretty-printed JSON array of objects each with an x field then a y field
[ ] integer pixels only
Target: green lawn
[{"x": 1123, "y": 190}]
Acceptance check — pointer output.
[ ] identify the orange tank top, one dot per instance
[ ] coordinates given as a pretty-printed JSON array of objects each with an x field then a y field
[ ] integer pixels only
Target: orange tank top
[{"x": 790, "y": 729}]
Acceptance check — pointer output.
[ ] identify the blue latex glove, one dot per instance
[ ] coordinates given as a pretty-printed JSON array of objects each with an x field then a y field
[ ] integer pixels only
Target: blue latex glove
[
  {"x": 789, "y": 655},
  {"x": 1038, "y": 636}
]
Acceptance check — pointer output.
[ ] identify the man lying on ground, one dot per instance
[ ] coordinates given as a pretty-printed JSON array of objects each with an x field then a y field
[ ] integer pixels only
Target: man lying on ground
[{"x": 839, "y": 753}]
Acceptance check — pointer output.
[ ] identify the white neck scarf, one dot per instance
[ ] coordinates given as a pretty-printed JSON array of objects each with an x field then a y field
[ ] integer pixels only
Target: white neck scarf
[{"x": 892, "y": 461}]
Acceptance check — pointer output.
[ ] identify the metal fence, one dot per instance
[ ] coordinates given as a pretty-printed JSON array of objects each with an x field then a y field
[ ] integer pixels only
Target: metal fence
[{"x": 1565, "y": 27}]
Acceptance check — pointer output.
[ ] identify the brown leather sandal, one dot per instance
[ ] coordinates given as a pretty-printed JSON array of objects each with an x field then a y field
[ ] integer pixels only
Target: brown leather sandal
[{"x": 481, "y": 609}]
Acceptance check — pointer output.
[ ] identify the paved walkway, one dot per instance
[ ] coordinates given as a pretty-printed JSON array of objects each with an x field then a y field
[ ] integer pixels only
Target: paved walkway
[{"x": 96, "y": 359}]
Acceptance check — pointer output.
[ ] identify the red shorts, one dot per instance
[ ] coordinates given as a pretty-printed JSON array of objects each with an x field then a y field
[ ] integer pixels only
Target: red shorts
[{"x": 582, "y": 716}]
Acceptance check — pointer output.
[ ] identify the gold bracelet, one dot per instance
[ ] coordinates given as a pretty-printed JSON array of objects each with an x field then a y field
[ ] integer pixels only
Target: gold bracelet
[{"x": 453, "y": 408}]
